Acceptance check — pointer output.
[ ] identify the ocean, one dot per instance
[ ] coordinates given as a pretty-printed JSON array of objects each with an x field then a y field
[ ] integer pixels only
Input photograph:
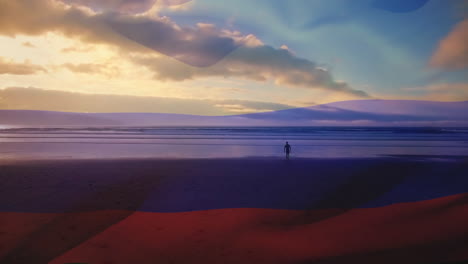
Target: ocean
[{"x": 231, "y": 142}]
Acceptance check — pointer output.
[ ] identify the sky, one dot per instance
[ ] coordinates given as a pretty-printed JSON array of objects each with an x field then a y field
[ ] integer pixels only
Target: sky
[{"x": 212, "y": 57}]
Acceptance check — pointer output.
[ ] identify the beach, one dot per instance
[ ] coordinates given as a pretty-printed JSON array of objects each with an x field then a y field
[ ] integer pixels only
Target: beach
[
  {"x": 405, "y": 209},
  {"x": 233, "y": 132}
]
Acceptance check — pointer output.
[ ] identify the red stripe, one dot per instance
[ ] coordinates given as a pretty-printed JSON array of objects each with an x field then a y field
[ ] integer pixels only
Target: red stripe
[{"x": 432, "y": 231}]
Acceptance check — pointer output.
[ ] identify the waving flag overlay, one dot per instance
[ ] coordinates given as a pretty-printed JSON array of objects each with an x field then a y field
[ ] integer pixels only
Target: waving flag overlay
[
  {"x": 235, "y": 211},
  {"x": 161, "y": 131}
]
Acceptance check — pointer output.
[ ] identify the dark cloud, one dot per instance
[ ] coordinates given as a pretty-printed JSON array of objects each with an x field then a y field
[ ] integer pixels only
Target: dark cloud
[
  {"x": 258, "y": 63},
  {"x": 51, "y": 100},
  {"x": 202, "y": 45},
  {"x": 198, "y": 46},
  {"x": 10, "y": 67}
]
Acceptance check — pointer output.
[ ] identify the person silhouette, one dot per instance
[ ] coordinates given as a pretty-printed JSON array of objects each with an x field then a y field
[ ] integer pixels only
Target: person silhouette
[{"x": 287, "y": 149}]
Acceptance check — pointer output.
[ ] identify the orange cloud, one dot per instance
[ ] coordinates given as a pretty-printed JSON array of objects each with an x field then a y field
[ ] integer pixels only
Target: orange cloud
[
  {"x": 92, "y": 68},
  {"x": 52, "y": 100},
  {"x": 452, "y": 52},
  {"x": 10, "y": 67},
  {"x": 442, "y": 92}
]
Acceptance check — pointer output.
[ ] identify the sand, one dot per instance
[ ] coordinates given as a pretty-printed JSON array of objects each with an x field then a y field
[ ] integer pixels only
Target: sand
[{"x": 250, "y": 210}]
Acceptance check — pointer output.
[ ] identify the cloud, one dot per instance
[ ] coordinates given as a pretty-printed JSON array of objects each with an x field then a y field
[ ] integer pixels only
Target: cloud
[
  {"x": 242, "y": 106},
  {"x": 76, "y": 49},
  {"x": 259, "y": 63},
  {"x": 28, "y": 44},
  {"x": 92, "y": 68},
  {"x": 203, "y": 45},
  {"x": 124, "y": 6},
  {"x": 452, "y": 52},
  {"x": 442, "y": 92},
  {"x": 51, "y": 100},
  {"x": 10, "y": 67},
  {"x": 349, "y": 113},
  {"x": 50, "y": 16},
  {"x": 198, "y": 46}
]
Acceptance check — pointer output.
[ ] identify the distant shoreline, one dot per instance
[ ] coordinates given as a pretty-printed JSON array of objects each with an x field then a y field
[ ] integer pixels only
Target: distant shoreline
[{"x": 272, "y": 159}]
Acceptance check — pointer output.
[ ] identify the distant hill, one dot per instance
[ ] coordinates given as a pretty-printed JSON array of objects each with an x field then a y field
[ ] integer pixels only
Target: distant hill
[
  {"x": 347, "y": 113},
  {"x": 49, "y": 118}
]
